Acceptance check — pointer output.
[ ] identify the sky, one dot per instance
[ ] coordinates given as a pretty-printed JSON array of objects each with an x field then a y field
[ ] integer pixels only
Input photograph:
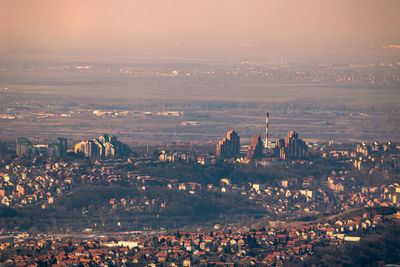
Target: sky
[{"x": 187, "y": 28}]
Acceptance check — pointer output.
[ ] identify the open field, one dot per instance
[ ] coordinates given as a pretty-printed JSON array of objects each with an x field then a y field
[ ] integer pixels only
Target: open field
[{"x": 318, "y": 111}]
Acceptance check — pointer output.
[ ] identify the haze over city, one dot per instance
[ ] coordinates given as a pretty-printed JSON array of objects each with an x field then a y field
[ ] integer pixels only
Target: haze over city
[{"x": 198, "y": 30}]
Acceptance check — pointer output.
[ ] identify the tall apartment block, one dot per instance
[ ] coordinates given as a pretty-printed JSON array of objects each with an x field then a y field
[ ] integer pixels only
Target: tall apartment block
[
  {"x": 292, "y": 147},
  {"x": 255, "y": 150},
  {"x": 229, "y": 147},
  {"x": 106, "y": 146},
  {"x": 26, "y": 149}
]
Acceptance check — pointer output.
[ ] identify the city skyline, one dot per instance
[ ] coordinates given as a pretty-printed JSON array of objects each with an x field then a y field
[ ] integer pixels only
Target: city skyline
[{"x": 199, "y": 133}]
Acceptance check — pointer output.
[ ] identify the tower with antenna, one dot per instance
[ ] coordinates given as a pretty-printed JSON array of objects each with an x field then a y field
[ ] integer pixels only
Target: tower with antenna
[{"x": 266, "y": 130}]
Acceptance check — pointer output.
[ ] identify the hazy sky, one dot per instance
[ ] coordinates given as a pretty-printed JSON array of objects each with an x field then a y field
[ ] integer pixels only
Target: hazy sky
[{"x": 202, "y": 27}]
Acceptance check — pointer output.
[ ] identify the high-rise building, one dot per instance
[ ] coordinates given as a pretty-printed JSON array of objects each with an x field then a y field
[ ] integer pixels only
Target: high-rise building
[
  {"x": 63, "y": 142},
  {"x": 255, "y": 150},
  {"x": 291, "y": 147},
  {"x": 24, "y": 147},
  {"x": 88, "y": 148},
  {"x": 106, "y": 146},
  {"x": 266, "y": 131},
  {"x": 229, "y": 147},
  {"x": 55, "y": 150}
]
